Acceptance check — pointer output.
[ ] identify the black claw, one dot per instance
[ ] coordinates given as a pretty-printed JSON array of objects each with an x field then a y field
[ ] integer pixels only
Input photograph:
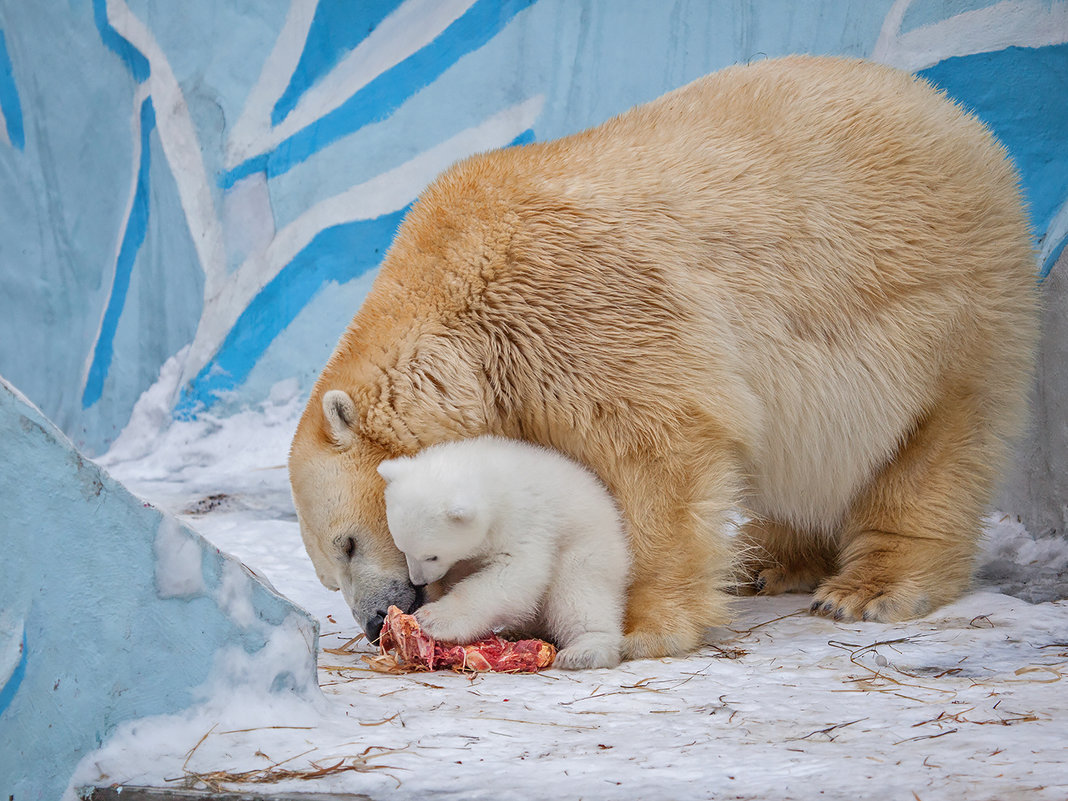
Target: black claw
[
  {"x": 759, "y": 583},
  {"x": 815, "y": 608},
  {"x": 838, "y": 613}
]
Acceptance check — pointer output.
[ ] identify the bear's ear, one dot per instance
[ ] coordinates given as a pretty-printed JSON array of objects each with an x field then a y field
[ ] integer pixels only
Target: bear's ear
[
  {"x": 341, "y": 417},
  {"x": 390, "y": 469}
]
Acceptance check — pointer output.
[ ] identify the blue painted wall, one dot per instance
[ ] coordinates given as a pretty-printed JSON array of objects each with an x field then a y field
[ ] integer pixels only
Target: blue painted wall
[
  {"x": 111, "y": 611},
  {"x": 220, "y": 180}
]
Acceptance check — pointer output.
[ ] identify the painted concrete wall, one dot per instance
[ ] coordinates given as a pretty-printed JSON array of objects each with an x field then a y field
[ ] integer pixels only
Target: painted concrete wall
[
  {"x": 111, "y": 611},
  {"x": 218, "y": 181},
  {"x": 1036, "y": 489}
]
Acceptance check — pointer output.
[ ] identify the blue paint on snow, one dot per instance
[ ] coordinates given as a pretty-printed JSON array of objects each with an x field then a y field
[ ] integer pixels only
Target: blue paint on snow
[
  {"x": 9, "y": 98},
  {"x": 337, "y": 27},
  {"x": 132, "y": 239},
  {"x": 383, "y": 95},
  {"x": 11, "y": 686},
  {"x": 117, "y": 43},
  {"x": 1021, "y": 93}
]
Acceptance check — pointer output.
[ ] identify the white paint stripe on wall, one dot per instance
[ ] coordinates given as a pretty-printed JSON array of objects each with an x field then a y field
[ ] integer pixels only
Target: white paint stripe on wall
[
  {"x": 409, "y": 28},
  {"x": 393, "y": 190},
  {"x": 4, "y": 138},
  {"x": 181, "y": 147},
  {"x": 255, "y": 121},
  {"x": 383, "y": 194},
  {"x": 1055, "y": 233},
  {"x": 1025, "y": 23}
]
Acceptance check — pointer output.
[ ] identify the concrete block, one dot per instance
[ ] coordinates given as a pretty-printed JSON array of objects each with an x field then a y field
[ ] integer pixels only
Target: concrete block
[{"x": 111, "y": 610}]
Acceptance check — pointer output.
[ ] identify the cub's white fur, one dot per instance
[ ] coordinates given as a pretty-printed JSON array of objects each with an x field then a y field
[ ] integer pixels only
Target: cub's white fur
[{"x": 541, "y": 534}]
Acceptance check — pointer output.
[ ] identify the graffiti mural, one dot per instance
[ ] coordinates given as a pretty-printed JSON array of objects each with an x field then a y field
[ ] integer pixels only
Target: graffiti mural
[{"x": 214, "y": 184}]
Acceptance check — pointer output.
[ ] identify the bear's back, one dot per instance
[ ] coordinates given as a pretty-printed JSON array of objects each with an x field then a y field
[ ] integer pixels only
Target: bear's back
[{"x": 808, "y": 251}]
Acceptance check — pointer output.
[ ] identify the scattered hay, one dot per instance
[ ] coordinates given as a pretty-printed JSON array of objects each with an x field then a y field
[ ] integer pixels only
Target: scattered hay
[
  {"x": 389, "y": 664},
  {"x": 726, "y": 653},
  {"x": 360, "y": 763},
  {"x": 876, "y": 674},
  {"x": 346, "y": 649},
  {"x": 214, "y": 780}
]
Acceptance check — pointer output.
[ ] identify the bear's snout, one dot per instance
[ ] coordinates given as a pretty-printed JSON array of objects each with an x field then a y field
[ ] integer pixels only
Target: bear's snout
[{"x": 400, "y": 594}]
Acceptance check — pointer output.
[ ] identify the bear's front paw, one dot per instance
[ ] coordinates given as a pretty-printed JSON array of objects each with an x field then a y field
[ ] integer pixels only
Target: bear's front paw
[
  {"x": 846, "y": 599},
  {"x": 446, "y": 624}
]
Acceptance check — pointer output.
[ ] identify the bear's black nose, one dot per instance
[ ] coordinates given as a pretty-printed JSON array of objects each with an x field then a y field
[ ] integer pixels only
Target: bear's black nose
[{"x": 372, "y": 627}]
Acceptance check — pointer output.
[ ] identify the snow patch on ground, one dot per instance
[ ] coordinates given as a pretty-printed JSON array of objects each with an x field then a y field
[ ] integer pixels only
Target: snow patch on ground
[{"x": 965, "y": 703}]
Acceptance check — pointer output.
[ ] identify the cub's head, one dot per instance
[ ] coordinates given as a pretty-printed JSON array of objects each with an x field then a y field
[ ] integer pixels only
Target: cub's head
[
  {"x": 433, "y": 512},
  {"x": 337, "y": 493}
]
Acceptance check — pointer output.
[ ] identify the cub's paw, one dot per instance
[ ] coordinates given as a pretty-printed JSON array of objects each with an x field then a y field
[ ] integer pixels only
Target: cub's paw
[
  {"x": 446, "y": 624},
  {"x": 588, "y": 652},
  {"x": 848, "y": 599}
]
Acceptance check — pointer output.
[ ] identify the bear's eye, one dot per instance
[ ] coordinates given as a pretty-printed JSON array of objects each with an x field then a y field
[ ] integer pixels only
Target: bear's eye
[
  {"x": 432, "y": 559},
  {"x": 348, "y": 547}
]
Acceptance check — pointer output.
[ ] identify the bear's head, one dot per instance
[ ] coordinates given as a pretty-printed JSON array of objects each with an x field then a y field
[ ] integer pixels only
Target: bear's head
[
  {"x": 338, "y": 498},
  {"x": 433, "y": 513},
  {"x": 372, "y": 404},
  {"x": 415, "y": 367}
]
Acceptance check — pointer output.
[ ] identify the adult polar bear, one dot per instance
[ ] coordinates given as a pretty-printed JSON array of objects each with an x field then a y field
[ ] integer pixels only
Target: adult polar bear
[{"x": 803, "y": 287}]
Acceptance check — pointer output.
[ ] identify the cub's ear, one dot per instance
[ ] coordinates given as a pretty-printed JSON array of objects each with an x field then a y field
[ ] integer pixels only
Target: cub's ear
[
  {"x": 460, "y": 511},
  {"x": 390, "y": 469},
  {"x": 341, "y": 417}
]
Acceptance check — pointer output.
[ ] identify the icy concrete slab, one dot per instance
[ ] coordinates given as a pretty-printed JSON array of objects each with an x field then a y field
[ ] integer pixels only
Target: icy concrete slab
[{"x": 112, "y": 610}]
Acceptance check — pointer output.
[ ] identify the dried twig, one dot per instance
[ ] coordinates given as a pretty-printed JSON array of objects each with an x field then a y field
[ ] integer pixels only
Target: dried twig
[
  {"x": 927, "y": 736},
  {"x": 751, "y": 629},
  {"x": 346, "y": 648},
  {"x": 189, "y": 753},
  {"x": 827, "y": 731},
  {"x": 1057, "y": 675}
]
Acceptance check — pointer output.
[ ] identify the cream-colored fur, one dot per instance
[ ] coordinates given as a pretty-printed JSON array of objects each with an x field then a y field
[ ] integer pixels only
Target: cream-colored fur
[{"x": 803, "y": 287}]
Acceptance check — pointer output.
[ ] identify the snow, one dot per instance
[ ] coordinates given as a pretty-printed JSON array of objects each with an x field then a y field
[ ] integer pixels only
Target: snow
[
  {"x": 179, "y": 562},
  {"x": 964, "y": 703}
]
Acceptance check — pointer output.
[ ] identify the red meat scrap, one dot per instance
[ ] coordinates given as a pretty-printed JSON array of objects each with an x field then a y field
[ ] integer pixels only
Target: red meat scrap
[{"x": 416, "y": 650}]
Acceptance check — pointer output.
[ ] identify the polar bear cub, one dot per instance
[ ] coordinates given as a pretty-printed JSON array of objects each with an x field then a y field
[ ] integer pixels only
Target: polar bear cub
[{"x": 537, "y": 541}]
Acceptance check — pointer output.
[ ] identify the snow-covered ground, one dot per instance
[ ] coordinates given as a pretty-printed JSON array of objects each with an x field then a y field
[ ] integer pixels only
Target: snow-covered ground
[{"x": 967, "y": 703}]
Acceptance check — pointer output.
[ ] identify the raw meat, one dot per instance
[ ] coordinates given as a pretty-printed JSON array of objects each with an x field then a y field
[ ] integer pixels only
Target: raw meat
[{"x": 417, "y": 650}]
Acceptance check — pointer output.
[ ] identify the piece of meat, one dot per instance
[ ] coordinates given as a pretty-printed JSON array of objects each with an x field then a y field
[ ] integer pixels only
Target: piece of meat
[{"x": 417, "y": 650}]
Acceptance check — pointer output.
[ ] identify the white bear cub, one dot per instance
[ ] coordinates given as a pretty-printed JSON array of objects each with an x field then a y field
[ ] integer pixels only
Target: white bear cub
[{"x": 541, "y": 539}]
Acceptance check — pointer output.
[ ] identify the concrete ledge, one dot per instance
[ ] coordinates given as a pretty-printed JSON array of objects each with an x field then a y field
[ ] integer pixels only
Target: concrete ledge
[
  {"x": 111, "y": 610},
  {"x": 172, "y": 794}
]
